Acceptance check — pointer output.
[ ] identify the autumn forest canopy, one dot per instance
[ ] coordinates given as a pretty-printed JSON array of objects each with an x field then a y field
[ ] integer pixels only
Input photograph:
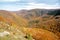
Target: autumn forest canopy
[{"x": 34, "y": 24}]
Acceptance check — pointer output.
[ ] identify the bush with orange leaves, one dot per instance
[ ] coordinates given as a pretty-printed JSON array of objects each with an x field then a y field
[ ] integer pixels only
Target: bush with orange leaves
[{"x": 40, "y": 34}]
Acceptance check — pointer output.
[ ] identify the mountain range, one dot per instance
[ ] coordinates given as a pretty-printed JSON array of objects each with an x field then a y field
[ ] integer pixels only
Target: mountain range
[{"x": 34, "y": 24}]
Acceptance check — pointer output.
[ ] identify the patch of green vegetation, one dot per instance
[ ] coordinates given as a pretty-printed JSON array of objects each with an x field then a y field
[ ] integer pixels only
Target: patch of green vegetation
[{"x": 29, "y": 37}]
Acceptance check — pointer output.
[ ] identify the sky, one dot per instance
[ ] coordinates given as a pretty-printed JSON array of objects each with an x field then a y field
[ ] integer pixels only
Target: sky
[{"x": 15, "y": 5}]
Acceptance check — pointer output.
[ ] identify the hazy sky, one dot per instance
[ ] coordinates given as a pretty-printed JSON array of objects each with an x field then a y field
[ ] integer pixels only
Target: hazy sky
[{"x": 14, "y": 5}]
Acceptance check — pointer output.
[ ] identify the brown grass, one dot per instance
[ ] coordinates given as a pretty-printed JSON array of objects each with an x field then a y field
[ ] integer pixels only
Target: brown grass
[{"x": 40, "y": 34}]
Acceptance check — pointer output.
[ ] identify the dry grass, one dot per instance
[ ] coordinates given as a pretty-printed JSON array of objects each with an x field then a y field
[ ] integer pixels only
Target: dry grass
[{"x": 40, "y": 34}]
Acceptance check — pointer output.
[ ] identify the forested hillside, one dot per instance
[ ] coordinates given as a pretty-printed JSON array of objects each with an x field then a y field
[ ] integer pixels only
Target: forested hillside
[{"x": 35, "y": 24}]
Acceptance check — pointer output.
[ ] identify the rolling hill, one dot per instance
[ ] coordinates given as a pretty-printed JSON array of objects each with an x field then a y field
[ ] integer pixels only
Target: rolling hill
[
  {"x": 35, "y": 24},
  {"x": 36, "y": 12},
  {"x": 12, "y": 18}
]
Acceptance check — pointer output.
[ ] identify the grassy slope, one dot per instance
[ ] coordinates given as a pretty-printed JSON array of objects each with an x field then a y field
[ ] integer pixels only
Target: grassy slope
[
  {"x": 40, "y": 34},
  {"x": 15, "y": 25}
]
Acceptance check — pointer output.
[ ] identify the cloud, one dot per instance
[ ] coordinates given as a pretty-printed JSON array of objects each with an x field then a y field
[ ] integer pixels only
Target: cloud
[
  {"x": 9, "y": 0},
  {"x": 29, "y": 6},
  {"x": 41, "y": 6},
  {"x": 10, "y": 7}
]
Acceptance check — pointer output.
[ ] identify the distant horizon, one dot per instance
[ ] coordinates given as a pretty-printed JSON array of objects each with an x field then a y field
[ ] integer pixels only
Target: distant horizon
[
  {"x": 27, "y": 9},
  {"x": 15, "y": 5}
]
